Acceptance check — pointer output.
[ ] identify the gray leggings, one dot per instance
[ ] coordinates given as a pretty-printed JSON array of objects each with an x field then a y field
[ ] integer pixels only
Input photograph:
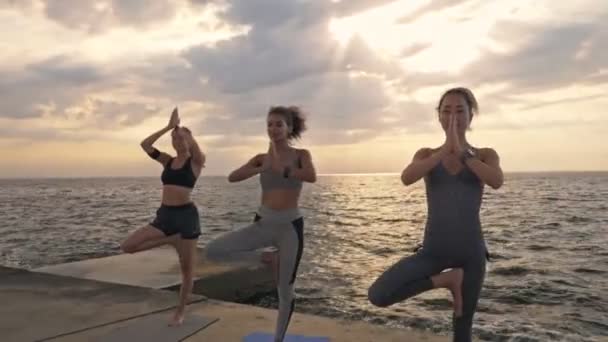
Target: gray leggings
[
  {"x": 281, "y": 229},
  {"x": 412, "y": 275}
]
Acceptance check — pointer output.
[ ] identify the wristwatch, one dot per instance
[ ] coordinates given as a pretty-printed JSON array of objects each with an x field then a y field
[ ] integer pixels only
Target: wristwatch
[
  {"x": 286, "y": 172},
  {"x": 468, "y": 154}
]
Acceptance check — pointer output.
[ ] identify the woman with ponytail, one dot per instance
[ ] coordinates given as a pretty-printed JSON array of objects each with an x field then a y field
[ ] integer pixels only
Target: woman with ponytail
[
  {"x": 177, "y": 219},
  {"x": 278, "y": 222}
]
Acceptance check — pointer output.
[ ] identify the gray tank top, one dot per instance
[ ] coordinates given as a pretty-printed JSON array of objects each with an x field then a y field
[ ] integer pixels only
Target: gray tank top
[
  {"x": 271, "y": 180},
  {"x": 453, "y": 202}
]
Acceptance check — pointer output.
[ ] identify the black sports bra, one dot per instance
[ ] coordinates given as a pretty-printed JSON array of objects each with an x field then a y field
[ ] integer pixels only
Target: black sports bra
[{"x": 182, "y": 176}]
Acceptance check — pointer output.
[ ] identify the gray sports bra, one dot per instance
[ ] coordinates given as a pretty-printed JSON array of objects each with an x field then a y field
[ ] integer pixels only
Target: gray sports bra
[{"x": 271, "y": 180}]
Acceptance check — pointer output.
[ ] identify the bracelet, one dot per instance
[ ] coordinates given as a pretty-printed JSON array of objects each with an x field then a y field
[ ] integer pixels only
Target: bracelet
[{"x": 466, "y": 155}]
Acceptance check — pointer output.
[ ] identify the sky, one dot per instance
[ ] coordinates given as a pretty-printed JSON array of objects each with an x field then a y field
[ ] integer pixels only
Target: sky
[{"x": 83, "y": 82}]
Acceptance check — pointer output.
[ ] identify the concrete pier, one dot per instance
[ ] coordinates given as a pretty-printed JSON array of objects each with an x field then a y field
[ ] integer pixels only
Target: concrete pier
[{"x": 85, "y": 300}]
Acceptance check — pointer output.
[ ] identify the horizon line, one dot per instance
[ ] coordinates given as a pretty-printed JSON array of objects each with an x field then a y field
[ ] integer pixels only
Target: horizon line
[{"x": 348, "y": 174}]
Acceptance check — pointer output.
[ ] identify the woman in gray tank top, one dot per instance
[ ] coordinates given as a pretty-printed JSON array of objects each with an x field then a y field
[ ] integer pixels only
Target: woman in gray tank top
[
  {"x": 454, "y": 176},
  {"x": 278, "y": 222}
]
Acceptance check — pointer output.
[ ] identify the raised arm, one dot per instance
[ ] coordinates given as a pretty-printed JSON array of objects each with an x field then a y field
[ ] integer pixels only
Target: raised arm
[
  {"x": 423, "y": 161},
  {"x": 487, "y": 167},
  {"x": 147, "y": 146},
  {"x": 198, "y": 157},
  {"x": 147, "y": 143},
  {"x": 306, "y": 172},
  {"x": 248, "y": 170}
]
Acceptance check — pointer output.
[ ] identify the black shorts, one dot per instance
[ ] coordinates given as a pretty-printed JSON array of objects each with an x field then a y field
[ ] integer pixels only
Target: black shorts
[{"x": 182, "y": 219}]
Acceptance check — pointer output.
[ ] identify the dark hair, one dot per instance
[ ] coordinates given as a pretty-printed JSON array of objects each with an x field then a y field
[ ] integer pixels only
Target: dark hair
[
  {"x": 468, "y": 97},
  {"x": 293, "y": 117}
]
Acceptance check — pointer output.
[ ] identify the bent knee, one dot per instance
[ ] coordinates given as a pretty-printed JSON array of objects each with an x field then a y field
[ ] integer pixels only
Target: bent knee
[
  {"x": 214, "y": 252},
  {"x": 128, "y": 248},
  {"x": 378, "y": 297}
]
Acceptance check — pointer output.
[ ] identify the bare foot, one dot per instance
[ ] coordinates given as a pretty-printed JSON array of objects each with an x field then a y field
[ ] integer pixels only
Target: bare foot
[
  {"x": 272, "y": 259},
  {"x": 178, "y": 319},
  {"x": 452, "y": 280}
]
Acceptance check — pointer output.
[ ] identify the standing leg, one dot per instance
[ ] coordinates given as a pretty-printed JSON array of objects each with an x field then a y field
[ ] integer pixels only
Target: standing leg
[
  {"x": 474, "y": 274},
  {"x": 186, "y": 250},
  {"x": 451, "y": 280},
  {"x": 291, "y": 245},
  {"x": 272, "y": 259}
]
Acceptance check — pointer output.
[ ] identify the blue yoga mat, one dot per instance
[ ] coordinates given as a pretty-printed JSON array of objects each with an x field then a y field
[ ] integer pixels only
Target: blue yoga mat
[{"x": 265, "y": 337}]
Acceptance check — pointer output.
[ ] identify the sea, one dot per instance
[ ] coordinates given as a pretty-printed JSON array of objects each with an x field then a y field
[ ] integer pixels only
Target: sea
[{"x": 547, "y": 234}]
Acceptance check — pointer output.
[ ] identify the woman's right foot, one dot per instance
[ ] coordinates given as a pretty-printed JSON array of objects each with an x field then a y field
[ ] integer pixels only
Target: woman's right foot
[
  {"x": 178, "y": 319},
  {"x": 452, "y": 280}
]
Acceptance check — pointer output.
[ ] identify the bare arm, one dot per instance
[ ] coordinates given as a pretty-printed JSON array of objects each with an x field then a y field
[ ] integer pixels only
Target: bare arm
[
  {"x": 147, "y": 143},
  {"x": 198, "y": 157},
  {"x": 248, "y": 170},
  {"x": 487, "y": 167},
  {"x": 424, "y": 160},
  {"x": 147, "y": 146},
  {"x": 307, "y": 172}
]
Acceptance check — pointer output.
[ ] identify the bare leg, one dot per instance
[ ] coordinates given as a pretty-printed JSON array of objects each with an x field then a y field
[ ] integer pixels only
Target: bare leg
[
  {"x": 451, "y": 280},
  {"x": 186, "y": 250},
  {"x": 146, "y": 238}
]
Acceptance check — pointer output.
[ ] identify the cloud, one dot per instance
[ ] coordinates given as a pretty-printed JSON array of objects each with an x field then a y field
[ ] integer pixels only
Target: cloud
[
  {"x": 283, "y": 60},
  {"x": 64, "y": 72},
  {"x": 170, "y": 77},
  {"x": 351, "y": 93},
  {"x": 333, "y": 101},
  {"x": 345, "y": 8},
  {"x": 553, "y": 57},
  {"x": 571, "y": 99},
  {"x": 77, "y": 14},
  {"x": 144, "y": 11},
  {"x": 90, "y": 119},
  {"x": 340, "y": 108},
  {"x": 262, "y": 58},
  {"x": 436, "y": 6},
  {"x": 29, "y": 133},
  {"x": 111, "y": 114},
  {"x": 76, "y": 100},
  {"x": 55, "y": 81},
  {"x": 99, "y": 16},
  {"x": 414, "y": 49},
  {"x": 371, "y": 89},
  {"x": 23, "y": 5}
]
